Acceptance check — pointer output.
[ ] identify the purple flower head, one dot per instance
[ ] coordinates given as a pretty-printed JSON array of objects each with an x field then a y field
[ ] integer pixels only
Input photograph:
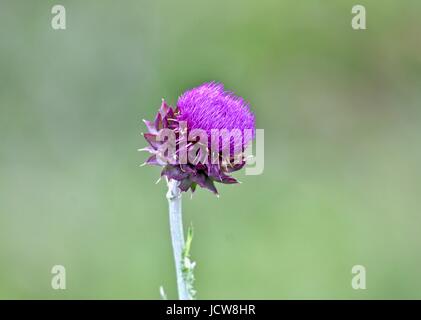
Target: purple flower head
[{"x": 205, "y": 108}]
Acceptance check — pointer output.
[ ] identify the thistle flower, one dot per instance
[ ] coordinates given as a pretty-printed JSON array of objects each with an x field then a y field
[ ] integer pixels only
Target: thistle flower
[
  {"x": 186, "y": 142},
  {"x": 208, "y": 109}
]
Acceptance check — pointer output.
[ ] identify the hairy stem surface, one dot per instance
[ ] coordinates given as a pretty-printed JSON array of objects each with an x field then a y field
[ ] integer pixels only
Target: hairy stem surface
[{"x": 177, "y": 236}]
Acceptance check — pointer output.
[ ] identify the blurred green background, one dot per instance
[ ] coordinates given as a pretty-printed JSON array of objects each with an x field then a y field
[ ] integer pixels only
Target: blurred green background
[{"x": 341, "y": 110}]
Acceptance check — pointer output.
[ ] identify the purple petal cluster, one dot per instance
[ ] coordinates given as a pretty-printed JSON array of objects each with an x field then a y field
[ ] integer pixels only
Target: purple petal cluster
[{"x": 209, "y": 107}]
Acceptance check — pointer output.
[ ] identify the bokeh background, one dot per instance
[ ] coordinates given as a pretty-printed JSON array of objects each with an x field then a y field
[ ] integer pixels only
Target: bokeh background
[{"x": 341, "y": 110}]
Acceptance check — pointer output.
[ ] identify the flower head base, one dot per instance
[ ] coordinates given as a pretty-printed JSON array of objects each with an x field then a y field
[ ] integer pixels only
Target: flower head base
[{"x": 203, "y": 139}]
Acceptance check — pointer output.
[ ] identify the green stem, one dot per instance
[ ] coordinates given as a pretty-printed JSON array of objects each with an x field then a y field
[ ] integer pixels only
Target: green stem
[{"x": 177, "y": 236}]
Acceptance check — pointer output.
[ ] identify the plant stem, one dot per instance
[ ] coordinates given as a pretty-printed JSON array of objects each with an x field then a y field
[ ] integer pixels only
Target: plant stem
[{"x": 177, "y": 236}]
